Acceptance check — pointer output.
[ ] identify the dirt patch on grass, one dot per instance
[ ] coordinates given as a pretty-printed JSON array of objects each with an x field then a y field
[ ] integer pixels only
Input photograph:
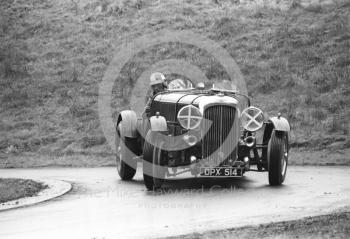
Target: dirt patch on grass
[
  {"x": 14, "y": 188},
  {"x": 329, "y": 226}
]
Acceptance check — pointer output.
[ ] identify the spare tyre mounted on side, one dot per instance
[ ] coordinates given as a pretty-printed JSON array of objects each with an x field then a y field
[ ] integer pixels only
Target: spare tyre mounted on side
[{"x": 126, "y": 151}]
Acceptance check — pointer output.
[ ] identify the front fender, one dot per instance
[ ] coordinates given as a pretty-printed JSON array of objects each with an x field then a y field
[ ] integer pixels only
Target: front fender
[
  {"x": 280, "y": 124},
  {"x": 129, "y": 126},
  {"x": 158, "y": 124}
]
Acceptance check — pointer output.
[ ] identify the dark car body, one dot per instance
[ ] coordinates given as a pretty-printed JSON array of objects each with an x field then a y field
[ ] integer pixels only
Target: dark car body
[{"x": 218, "y": 146}]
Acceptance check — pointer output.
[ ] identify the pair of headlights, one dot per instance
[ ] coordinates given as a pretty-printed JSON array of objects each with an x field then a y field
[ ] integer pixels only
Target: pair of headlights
[{"x": 190, "y": 117}]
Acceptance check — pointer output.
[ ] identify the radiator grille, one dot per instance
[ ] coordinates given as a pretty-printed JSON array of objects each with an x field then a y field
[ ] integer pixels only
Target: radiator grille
[{"x": 223, "y": 119}]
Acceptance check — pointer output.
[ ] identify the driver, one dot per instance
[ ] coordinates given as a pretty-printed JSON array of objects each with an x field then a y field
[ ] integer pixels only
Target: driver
[{"x": 157, "y": 83}]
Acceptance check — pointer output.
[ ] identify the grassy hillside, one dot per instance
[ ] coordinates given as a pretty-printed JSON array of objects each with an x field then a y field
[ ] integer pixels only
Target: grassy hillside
[{"x": 295, "y": 57}]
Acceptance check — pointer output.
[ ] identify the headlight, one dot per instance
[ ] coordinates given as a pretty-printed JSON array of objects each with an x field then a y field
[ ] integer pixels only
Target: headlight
[
  {"x": 189, "y": 117},
  {"x": 252, "y": 118}
]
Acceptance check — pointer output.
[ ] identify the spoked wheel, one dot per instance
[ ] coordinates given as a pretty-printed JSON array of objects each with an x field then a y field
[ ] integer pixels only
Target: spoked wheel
[
  {"x": 125, "y": 158},
  {"x": 153, "y": 169},
  {"x": 277, "y": 157}
]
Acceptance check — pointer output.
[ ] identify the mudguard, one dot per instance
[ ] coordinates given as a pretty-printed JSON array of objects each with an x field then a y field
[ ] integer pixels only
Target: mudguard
[
  {"x": 274, "y": 123},
  {"x": 280, "y": 124},
  {"x": 158, "y": 124},
  {"x": 129, "y": 126}
]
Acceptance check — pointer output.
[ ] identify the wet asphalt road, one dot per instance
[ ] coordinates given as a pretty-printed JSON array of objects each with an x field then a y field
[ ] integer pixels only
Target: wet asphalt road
[{"x": 100, "y": 205}]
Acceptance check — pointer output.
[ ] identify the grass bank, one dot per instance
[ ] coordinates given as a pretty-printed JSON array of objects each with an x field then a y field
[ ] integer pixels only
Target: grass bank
[
  {"x": 13, "y": 188},
  {"x": 329, "y": 226}
]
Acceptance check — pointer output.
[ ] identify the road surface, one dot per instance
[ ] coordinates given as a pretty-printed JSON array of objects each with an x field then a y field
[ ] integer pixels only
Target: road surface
[{"x": 100, "y": 205}]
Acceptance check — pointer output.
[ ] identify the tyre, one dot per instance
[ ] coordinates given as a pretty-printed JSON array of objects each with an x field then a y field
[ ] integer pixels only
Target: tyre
[
  {"x": 126, "y": 150},
  {"x": 277, "y": 157},
  {"x": 153, "y": 170}
]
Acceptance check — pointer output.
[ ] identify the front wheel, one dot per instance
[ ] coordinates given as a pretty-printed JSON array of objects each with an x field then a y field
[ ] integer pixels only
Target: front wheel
[
  {"x": 153, "y": 169},
  {"x": 277, "y": 157}
]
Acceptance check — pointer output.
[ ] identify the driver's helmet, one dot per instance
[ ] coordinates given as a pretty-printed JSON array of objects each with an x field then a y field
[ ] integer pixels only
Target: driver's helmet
[{"x": 157, "y": 78}]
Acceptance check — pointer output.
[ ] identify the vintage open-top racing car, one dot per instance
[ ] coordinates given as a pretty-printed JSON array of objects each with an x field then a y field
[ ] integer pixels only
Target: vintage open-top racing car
[{"x": 208, "y": 131}]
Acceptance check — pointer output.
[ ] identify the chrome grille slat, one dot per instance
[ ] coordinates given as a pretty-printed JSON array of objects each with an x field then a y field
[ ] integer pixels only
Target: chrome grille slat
[{"x": 222, "y": 118}]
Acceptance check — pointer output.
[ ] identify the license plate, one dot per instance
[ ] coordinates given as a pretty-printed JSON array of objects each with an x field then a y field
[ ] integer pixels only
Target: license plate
[{"x": 220, "y": 172}]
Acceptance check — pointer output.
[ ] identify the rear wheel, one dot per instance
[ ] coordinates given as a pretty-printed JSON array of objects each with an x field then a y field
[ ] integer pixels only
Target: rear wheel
[
  {"x": 153, "y": 170},
  {"x": 126, "y": 152},
  {"x": 277, "y": 157}
]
